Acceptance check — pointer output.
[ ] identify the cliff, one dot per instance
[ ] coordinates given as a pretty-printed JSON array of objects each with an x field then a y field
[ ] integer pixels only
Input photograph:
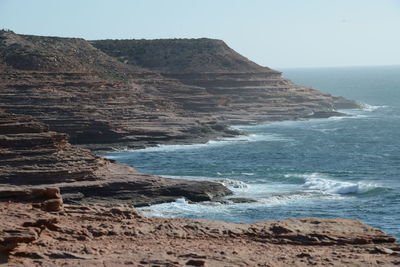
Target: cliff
[
  {"x": 63, "y": 205},
  {"x": 77, "y": 89},
  {"x": 138, "y": 93},
  {"x": 31, "y": 155},
  {"x": 237, "y": 88}
]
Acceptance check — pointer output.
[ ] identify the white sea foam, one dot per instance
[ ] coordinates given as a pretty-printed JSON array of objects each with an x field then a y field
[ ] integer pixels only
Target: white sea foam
[
  {"x": 113, "y": 156},
  {"x": 217, "y": 143},
  {"x": 267, "y": 195},
  {"x": 181, "y": 201},
  {"x": 181, "y": 207},
  {"x": 232, "y": 183},
  {"x": 325, "y": 184},
  {"x": 371, "y": 107},
  {"x": 291, "y": 197}
]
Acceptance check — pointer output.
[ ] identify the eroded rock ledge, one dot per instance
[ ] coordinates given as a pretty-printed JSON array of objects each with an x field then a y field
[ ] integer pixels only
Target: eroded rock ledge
[
  {"x": 112, "y": 234},
  {"x": 33, "y": 156}
]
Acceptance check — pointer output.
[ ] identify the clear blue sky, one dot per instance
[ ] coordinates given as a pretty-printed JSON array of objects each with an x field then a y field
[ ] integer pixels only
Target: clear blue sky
[{"x": 277, "y": 33}]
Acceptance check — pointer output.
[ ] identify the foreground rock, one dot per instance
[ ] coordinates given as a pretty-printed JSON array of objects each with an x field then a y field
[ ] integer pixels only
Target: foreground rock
[
  {"x": 33, "y": 158},
  {"x": 92, "y": 235}
]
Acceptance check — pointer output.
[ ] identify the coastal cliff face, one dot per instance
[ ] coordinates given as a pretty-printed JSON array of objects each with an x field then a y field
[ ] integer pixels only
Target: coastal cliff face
[
  {"x": 63, "y": 205},
  {"x": 138, "y": 93},
  {"x": 77, "y": 89},
  {"x": 33, "y": 156},
  {"x": 237, "y": 88}
]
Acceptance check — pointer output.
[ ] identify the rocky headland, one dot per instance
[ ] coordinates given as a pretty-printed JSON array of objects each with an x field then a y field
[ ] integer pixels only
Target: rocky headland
[
  {"x": 135, "y": 93},
  {"x": 61, "y": 204},
  {"x": 237, "y": 90}
]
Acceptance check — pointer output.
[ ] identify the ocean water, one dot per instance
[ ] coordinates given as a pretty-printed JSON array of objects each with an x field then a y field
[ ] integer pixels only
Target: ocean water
[{"x": 345, "y": 167}]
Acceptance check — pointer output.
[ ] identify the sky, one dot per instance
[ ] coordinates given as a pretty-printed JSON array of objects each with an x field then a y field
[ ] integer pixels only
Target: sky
[{"x": 277, "y": 33}]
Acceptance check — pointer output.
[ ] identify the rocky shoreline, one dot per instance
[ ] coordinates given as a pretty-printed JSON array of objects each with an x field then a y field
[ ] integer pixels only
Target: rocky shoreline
[
  {"x": 61, "y": 204},
  {"x": 39, "y": 230},
  {"x": 33, "y": 156},
  {"x": 92, "y": 225}
]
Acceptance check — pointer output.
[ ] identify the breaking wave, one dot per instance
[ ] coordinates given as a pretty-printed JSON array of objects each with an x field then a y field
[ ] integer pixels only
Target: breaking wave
[
  {"x": 323, "y": 183},
  {"x": 371, "y": 107},
  {"x": 232, "y": 183},
  {"x": 212, "y": 210}
]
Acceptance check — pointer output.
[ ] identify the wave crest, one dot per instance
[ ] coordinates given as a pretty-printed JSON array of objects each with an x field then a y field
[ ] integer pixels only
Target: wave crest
[
  {"x": 371, "y": 107},
  {"x": 319, "y": 182}
]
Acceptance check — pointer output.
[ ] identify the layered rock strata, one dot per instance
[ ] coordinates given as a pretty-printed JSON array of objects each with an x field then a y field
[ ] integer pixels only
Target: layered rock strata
[
  {"x": 79, "y": 90},
  {"x": 144, "y": 93},
  {"x": 31, "y": 155},
  {"x": 144, "y": 100},
  {"x": 239, "y": 89},
  {"x": 117, "y": 235}
]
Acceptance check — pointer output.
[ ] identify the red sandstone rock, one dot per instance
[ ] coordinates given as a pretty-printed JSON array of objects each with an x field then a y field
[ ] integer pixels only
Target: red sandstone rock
[
  {"x": 79, "y": 90},
  {"x": 34, "y": 159},
  {"x": 116, "y": 235},
  {"x": 188, "y": 95}
]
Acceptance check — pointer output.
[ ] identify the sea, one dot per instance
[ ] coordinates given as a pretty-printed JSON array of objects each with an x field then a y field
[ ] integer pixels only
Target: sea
[{"x": 347, "y": 167}]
